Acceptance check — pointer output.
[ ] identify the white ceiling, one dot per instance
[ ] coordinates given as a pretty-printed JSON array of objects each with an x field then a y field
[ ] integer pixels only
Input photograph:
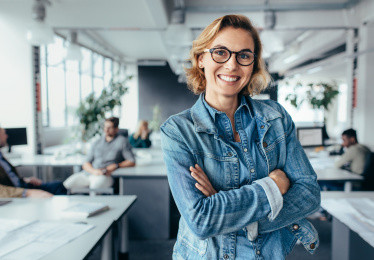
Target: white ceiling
[{"x": 135, "y": 29}]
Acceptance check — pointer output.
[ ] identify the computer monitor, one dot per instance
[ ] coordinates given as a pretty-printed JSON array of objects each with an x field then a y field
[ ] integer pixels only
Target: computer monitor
[
  {"x": 310, "y": 136},
  {"x": 16, "y": 136}
]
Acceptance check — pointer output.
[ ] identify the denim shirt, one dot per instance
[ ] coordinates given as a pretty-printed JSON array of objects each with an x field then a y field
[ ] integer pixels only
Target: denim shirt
[{"x": 209, "y": 226}]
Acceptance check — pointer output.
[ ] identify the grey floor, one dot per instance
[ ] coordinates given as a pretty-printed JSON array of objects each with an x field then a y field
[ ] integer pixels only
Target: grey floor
[{"x": 162, "y": 249}]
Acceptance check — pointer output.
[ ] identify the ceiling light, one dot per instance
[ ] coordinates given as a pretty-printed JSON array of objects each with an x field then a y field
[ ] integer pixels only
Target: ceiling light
[
  {"x": 40, "y": 33},
  {"x": 74, "y": 50},
  {"x": 178, "y": 35}
]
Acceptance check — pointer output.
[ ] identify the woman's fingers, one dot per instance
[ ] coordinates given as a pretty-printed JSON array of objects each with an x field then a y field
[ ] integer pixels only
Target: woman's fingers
[
  {"x": 203, "y": 184},
  {"x": 202, "y": 189}
]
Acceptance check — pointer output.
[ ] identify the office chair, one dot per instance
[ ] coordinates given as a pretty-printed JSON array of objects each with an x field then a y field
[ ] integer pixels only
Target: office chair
[{"x": 368, "y": 182}]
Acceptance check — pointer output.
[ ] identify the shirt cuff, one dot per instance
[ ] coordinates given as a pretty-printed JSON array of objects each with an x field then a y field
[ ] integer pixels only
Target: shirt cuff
[
  {"x": 252, "y": 231},
  {"x": 24, "y": 193},
  {"x": 274, "y": 196}
]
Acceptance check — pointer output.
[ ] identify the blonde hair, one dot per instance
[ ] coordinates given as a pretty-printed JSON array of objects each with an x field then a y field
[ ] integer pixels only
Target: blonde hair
[
  {"x": 195, "y": 76},
  {"x": 139, "y": 128}
]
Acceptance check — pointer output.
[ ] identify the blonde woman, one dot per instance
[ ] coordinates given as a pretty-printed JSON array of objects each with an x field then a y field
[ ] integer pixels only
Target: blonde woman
[
  {"x": 239, "y": 177},
  {"x": 140, "y": 139}
]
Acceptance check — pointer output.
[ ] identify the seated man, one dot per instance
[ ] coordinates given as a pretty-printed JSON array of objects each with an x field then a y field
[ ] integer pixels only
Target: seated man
[
  {"x": 109, "y": 153},
  {"x": 10, "y": 177},
  {"x": 355, "y": 156}
]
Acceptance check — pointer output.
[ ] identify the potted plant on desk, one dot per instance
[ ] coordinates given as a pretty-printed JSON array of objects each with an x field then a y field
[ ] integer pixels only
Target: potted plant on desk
[{"x": 93, "y": 110}]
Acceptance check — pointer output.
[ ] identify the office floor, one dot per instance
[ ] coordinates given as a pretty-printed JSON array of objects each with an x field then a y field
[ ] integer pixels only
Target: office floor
[{"x": 162, "y": 249}]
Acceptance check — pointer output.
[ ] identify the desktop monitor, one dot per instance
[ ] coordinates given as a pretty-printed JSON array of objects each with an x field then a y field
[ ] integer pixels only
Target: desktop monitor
[
  {"x": 16, "y": 136},
  {"x": 310, "y": 136}
]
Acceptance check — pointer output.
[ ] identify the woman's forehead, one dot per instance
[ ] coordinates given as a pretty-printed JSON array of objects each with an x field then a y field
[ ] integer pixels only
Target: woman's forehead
[{"x": 233, "y": 37}]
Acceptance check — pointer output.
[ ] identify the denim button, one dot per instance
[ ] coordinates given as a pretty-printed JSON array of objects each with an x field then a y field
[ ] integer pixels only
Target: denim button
[
  {"x": 262, "y": 127},
  {"x": 265, "y": 144},
  {"x": 226, "y": 256},
  {"x": 252, "y": 170},
  {"x": 312, "y": 246},
  {"x": 245, "y": 149},
  {"x": 295, "y": 227},
  {"x": 258, "y": 252},
  {"x": 229, "y": 154}
]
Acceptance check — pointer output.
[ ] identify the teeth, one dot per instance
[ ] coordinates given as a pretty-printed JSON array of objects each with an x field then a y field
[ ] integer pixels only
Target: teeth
[{"x": 230, "y": 79}]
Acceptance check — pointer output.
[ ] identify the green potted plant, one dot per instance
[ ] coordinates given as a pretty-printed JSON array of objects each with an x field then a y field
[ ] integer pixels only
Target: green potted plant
[
  {"x": 93, "y": 110},
  {"x": 319, "y": 95}
]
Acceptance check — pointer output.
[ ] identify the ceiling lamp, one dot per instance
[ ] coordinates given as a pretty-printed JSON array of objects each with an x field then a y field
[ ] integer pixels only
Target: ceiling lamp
[
  {"x": 178, "y": 35},
  {"x": 40, "y": 33},
  {"x": 74, "y": 50}
]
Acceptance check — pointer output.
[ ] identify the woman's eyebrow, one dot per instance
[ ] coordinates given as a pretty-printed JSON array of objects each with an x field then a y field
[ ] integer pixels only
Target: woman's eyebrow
[{"x": 224, "y": 47}]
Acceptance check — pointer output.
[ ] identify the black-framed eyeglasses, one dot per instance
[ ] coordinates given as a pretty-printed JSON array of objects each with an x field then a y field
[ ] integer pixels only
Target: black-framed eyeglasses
[{"x": 221, "y": 55}]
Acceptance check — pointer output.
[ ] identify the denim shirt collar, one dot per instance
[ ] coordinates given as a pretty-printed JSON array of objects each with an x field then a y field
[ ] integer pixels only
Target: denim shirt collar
[
  {"x": 203, "y": 118},
  {"x": 214, "y": 112}
]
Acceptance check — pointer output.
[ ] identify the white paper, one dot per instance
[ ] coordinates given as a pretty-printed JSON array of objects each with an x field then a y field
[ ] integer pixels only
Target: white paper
[
  {"x": 7, "y": 225},
  {"x": 38, "y": 239}
]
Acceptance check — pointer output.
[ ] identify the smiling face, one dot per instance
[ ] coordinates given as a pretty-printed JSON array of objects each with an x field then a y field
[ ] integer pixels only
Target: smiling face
[{"x": 229, "y": 78}]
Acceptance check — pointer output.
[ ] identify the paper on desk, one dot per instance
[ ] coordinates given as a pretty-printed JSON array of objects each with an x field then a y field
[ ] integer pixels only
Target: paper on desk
[
  {"x": 356, "y": 213},
  {"x": 36, "y": 240},
  {"x": 8, "y": 225},
  {"x": 321, "y": 163}
]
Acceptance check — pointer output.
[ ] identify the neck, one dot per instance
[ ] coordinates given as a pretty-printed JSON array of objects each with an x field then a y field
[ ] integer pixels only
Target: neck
[
  {"x": 109, "y": 138},
  {"x": 228, "y": 105}
]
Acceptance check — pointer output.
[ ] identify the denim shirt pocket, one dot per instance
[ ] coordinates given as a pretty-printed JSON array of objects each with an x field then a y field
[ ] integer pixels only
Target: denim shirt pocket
[
  {"x": 219, "y": 169},
  {"x": 189, "y": 246},
  {"x": 306, "y": 233},
  {"x": 272, "y": 148}
]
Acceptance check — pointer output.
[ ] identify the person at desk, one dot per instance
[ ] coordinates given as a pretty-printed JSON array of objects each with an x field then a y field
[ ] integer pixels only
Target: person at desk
[
  {"x": 239, "y": 177},
  {"x": 355, "y": 155},
  {"x": 14, "y": 185},
  {"x": 109, "y": 153},
  {"x": 140, "y": 139}
]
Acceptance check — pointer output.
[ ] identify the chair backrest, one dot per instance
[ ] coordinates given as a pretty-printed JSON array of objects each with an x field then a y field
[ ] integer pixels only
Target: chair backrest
[
  {"x": 124, "y": 132},
  {"x": 368, "y": 183}
]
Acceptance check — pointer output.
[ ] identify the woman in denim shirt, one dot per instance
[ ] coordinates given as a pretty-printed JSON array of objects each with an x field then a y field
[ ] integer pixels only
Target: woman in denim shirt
[{"x": 239, "y": 177}]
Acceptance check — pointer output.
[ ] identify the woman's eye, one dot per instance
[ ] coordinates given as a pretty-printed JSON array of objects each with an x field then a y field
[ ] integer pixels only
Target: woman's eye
[
  {"x": 220, "y": 52},
  {"x": 244, "y": 56}
]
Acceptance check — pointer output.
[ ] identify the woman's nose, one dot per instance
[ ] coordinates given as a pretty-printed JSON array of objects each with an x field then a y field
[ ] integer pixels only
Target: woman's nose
[{"x": 231, "y": 64}]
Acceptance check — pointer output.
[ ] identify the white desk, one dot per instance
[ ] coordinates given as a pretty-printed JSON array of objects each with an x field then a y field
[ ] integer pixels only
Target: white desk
[
  {"x": 150, "y": 217},
  {"x": 49, "y": 161},
  {"x": 48, "y": 209},
  {"x": 346, "y": 243},
  {"x": 323, "y": 165}
]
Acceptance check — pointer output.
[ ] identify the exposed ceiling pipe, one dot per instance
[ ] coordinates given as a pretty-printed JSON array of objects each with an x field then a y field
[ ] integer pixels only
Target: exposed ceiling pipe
[{"x": 273, "y": 6}]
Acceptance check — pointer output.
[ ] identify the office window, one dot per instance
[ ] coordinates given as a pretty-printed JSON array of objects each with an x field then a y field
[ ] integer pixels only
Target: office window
[
  {"x": 72, "y": 91},
  {"x": 305, "y": 113},
  {"x": 64, "y": 84}
]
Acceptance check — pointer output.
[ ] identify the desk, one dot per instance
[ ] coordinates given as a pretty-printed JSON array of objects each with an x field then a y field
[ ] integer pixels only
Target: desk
[
  {"x": 346, "y": 243},
  {"x": 323, "y": 165},
  {"x": 49, "y": 161},
  {"x": 48, "y": 209},
  {"x": 150, "y": 217}
]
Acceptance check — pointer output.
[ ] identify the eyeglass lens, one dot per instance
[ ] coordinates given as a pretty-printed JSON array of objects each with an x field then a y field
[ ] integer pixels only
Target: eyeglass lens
[{"x": 244, "y": 58}]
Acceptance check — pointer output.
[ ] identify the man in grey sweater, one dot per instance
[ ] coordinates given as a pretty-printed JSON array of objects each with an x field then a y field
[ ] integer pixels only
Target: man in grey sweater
[
  {"x": 356, "y": 155},
  {"x": 110, "y": 152}
]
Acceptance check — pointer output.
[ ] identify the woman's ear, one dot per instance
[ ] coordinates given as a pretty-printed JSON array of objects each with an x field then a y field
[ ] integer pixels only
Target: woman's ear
[{"x": 200, "y": 63}]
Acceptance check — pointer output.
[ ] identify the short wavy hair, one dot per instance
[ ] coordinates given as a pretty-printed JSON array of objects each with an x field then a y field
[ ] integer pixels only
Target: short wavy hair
[{"x": 195, "y": 76}]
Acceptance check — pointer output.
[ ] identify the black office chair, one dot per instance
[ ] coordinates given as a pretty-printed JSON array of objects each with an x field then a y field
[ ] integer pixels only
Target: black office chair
[
  {"x": 124, "y": 132},
  {"x": 368, "y": 182}
]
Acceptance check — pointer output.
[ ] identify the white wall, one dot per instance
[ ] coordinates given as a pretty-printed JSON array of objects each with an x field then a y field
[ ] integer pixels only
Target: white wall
[{"x": 16, "y": 106}]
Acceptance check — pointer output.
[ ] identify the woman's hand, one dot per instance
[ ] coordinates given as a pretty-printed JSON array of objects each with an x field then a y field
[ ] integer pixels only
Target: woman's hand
[
  {"x": 203, "y": 184},
  {"x": 281, "y": 179}
]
